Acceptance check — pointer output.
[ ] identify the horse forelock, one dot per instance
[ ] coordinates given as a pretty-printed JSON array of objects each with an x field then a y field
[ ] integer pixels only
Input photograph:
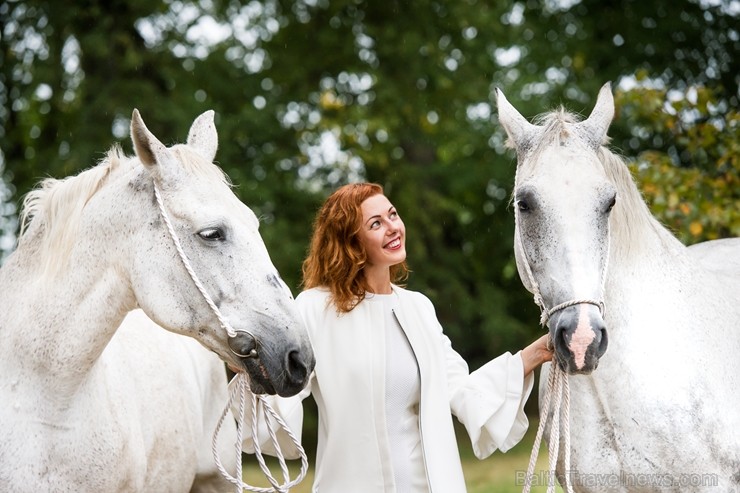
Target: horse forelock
[{"x": 554, "y": 130}]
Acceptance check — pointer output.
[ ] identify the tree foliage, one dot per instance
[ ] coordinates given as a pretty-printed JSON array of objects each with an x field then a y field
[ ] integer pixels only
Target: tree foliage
[
  {"x": 311, "y": 94},
  {"x": 689, "y": 168}
]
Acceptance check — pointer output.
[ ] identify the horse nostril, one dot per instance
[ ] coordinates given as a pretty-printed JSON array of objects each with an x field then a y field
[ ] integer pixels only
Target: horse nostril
[
  {"x": 297, "y": 369},
  {"x": 558, "y": 340},
  {"x": 603, "y": 343}
]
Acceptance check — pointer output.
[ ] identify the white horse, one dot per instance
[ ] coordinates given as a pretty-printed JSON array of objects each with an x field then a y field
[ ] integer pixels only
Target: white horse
[
  {"x": 662, "y": 411},
  {"x": 87, "y": 406}
]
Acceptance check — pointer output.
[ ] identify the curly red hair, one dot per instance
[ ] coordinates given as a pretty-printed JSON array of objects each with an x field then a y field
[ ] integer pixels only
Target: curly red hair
[{"x": 336, "y": 257}]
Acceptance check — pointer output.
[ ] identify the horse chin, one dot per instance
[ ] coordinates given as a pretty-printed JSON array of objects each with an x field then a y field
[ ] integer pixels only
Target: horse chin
[
  {"x": 568, "y": 364},
  {"x": 582, "y": 371},
  {"x": 259, "y": 381}
]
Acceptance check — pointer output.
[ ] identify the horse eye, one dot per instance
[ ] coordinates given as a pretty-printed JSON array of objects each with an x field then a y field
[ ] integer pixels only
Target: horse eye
[
  {"x": 523, "y": 206},
  {"x": 611, "y": 204},
  {"x": 212, "y": 234}
]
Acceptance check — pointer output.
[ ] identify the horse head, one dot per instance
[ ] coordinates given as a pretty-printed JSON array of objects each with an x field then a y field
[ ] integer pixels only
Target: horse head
[
  {"x": 220, "y": 248},
  {"x": 562, "y": 202}
]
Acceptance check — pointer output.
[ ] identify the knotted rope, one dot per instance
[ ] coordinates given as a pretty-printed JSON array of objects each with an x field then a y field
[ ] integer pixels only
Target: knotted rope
[
  {"x": 242, "y": 389},
  {"x": 557, "y": 382}
]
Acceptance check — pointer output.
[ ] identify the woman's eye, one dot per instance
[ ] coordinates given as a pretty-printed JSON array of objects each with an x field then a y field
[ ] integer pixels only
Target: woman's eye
[
  {"x": 375, "y": 224},
  {"x": 394, "y": 215},
  {"x": 212, "y": 234}
]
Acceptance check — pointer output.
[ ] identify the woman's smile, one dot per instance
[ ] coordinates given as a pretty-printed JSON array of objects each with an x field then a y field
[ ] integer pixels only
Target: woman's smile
[{"x": 395, "y": 244}]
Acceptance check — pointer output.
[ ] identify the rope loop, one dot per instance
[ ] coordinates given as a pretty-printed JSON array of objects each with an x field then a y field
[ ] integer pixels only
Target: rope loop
[{"x": 258, "y": 402}]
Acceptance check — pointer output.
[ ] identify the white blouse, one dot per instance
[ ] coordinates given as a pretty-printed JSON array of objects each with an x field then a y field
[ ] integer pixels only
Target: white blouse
[{"x": 402, "y": 394}]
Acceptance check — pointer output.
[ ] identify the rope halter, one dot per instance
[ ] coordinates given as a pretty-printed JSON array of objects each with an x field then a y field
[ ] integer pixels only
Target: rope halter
[
  {"x": 546, "y": 314},
  {"x": 242, "y": 389}
]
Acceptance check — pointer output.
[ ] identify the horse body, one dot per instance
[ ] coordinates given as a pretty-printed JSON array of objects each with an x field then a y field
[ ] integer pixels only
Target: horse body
[
  {"x": 657, "y": 411},
  {"x": 111, "y": 433},
  {"x": 89, "y": 406}
]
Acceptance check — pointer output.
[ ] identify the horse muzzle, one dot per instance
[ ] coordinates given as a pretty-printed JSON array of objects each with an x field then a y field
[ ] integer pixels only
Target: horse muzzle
[
  {"x": 580, "y": 338},
  {"x": 272, "y": 372}
]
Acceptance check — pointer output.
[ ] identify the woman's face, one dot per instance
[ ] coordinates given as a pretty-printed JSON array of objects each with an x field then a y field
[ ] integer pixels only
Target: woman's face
[{"x": 382, "y": 233}]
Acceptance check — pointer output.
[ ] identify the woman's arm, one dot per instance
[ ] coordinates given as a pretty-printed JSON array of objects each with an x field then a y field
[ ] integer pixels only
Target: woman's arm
[{"x": 535, "y": 354}]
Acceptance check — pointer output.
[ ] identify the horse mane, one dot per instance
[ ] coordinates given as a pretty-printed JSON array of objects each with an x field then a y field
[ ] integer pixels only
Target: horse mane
[
  {"x": 52, "y": 209},
  {"x": 51, "y": 212},
  {"x": 632, "y": 223}
]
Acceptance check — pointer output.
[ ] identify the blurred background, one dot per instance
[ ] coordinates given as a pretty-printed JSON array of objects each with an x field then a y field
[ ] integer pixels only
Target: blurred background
[{"x": 312, "y": 94}]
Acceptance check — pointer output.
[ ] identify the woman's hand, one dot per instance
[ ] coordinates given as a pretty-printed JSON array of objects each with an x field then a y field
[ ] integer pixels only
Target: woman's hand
[{"x": 536, "y": 353}]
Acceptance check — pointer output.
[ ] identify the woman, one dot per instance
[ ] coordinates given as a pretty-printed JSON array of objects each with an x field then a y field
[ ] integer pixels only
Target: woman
[{"x": 387, "y": 379}]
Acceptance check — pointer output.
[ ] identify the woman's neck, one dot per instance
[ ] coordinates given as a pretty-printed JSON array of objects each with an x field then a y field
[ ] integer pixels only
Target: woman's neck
[{"x": 378, "y": 280}]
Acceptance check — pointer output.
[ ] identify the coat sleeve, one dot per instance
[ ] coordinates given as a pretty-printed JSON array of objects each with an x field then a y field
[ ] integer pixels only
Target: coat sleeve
[
  {"x": 490, "y": 401},
  {"x": 290, "y": 410}
]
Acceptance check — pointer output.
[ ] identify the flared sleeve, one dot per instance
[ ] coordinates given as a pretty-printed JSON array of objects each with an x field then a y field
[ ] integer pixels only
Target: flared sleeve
[
  {"x": 490, "y": 402},
  {"x": 290, "y": 410}
]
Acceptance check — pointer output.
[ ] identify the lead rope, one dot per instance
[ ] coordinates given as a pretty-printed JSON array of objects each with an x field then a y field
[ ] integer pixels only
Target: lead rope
[
  {"x": 242, "y": 389},
  {"x": 557, "y": 383}
]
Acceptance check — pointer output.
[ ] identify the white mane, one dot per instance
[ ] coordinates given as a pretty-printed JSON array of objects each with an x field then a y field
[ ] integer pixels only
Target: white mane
[{"x": 632, "y": 223}]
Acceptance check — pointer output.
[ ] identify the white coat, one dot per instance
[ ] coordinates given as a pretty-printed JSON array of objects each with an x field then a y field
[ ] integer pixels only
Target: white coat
[{"x": 348, "y": 385}]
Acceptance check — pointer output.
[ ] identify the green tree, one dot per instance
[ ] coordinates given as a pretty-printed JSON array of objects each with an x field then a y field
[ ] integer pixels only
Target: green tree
[{"x": 689, "y": 170}]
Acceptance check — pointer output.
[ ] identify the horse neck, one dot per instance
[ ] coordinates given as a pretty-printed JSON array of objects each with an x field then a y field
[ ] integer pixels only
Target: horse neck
[{"x": 57, "y": 326}]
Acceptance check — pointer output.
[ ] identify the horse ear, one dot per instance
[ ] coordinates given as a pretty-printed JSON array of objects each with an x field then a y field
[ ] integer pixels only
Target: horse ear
[
  {"x": 203, "y": 136},
  {"x": 594, "y": 128},
  {"x": 519, "y": 130},
  {"x": 153, "y": 154}
]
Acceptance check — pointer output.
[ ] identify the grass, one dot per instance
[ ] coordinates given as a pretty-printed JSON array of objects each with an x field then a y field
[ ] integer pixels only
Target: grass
[
  {"x": 497, "y": 474},
  {"x": 503, "y": 473}
]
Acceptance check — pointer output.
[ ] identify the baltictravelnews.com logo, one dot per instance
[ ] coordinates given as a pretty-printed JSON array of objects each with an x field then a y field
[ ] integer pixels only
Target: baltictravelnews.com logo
[{"x": 621, "y": 479}]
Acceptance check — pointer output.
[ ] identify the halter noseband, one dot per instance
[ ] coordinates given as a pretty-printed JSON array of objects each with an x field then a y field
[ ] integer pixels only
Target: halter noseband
[{"x": 546, "y": 314}]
